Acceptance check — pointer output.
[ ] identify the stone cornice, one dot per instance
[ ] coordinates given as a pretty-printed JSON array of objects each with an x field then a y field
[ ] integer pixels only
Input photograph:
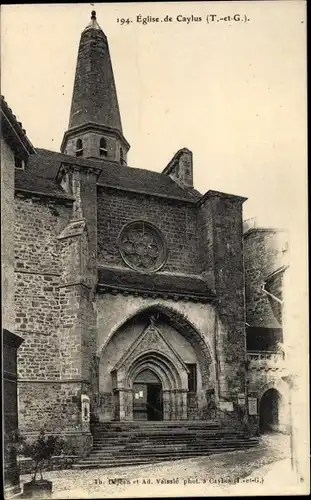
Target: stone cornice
[
  {"x": 124, "y": 290},
  {"x": 218, "y": 194},
  {"x": 102, "y": 184},
  {"x": 52, "y": 381}
]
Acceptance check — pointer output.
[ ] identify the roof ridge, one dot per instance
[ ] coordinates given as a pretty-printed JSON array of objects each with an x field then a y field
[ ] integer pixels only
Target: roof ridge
[{"x": 114, "y": 175}]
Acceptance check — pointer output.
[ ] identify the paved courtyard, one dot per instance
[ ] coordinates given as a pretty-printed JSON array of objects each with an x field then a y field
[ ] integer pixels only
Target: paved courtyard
[{"x": 219, "y": 474}]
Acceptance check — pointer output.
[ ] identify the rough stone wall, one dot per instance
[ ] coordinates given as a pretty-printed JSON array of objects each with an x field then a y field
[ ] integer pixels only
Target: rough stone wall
[
  {"x": 7, "y": 236},
  {"x": 176, "y": 220},
  {"x": 263, "y": 254},
  {"x": 206, "y": 243},
  {"x": 222, "y": 223},
  {"x": 53, "y": 406},
  {"x": 36, "y": 287},
  {"x": 52, "y": 315}
]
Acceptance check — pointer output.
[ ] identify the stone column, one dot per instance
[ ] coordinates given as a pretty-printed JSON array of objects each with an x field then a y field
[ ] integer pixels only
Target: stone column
[
  {"x": 166, "y": 405},
  {"x": 178, "y": 404},
  {"x": 183, "y": 395},
  {"x": 126, "y": 404},
  {"x": 173, "y": 405}
]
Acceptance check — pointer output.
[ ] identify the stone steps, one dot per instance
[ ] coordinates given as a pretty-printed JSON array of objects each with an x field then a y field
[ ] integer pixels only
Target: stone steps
[
  {"x": 122, "y": 461},
  {"x": 145, "y": 438},
  {"x": 98, "y": 443},
  {"x": 206, "y": 424},
  {"x": 168, "y": 448},
  {"x": 115, "y": 444}
]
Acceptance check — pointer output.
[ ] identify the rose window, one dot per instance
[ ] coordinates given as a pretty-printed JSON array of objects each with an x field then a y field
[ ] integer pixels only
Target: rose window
[{"x": 142, "y": 246}]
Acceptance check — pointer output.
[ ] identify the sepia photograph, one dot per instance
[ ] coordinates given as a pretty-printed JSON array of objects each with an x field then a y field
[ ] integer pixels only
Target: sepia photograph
[{"x": 154, "y": 250}]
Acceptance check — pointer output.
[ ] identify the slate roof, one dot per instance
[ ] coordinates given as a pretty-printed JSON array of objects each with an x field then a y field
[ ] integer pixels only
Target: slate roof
[
  {"x": 40, "y": 175},
  {"x": 146, "y": 181},
  {"x": 158, "y": 283}
]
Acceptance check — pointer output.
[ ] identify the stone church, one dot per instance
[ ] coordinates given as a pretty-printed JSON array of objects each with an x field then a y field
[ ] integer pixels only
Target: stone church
[{"x": 129, "y": 283}]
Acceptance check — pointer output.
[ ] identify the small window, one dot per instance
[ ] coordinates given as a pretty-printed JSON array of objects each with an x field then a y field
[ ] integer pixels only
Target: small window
[
  {"x": 79, "y": 148},
  {"x": 103, "y": 151},
  {"x": 122, "y": 161},
  {"x": 19, "y": 163},
  {"x": 192, "y": 377}
]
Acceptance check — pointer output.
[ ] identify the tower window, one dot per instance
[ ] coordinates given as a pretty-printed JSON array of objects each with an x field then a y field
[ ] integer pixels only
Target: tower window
[
  {"x": 79, "y": 148},
  {"x": 19, "y": 163},
  {"x": 192, "y": 377},
  {"x": 122, "y": 160},
  {"x": 103, "y": 147}
]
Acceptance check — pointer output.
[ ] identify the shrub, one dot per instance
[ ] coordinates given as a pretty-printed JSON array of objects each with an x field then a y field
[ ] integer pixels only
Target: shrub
[{"x": 41, "y": 450}]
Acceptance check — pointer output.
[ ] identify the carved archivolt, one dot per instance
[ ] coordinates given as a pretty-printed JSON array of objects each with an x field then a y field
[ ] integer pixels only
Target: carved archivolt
[{"x": 151, "y": 351}]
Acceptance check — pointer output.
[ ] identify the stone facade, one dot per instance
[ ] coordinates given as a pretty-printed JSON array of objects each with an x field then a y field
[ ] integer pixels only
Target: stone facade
[
  {"x": 176, "y": 220},
  {"x": 15, "y": 151},
  {"x": 96, "y": 311},
  {"x": 7, "y": 235}
]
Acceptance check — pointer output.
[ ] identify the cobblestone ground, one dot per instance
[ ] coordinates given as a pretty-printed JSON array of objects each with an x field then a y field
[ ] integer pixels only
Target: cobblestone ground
[{"x": 197, "y": 476}]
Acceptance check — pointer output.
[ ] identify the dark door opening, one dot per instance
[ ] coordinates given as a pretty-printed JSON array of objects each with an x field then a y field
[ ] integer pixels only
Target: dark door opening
[
  {"x": 269, "y": 411},
  {"x": 154, "y": 402}
]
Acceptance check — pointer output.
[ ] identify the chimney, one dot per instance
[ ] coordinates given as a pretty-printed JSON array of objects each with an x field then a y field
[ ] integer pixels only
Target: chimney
[{"x": 180, "y": 168}]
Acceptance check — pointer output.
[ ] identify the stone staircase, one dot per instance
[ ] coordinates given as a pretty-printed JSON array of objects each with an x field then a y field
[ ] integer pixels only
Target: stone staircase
[{"x": 134, "y": 443}]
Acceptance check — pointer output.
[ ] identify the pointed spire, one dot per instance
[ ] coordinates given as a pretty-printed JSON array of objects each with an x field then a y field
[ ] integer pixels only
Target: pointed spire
[
  {"x": 94, "y": 95},
  {"x": 95, "y": 121},
  {"x": 93, "y": 24}
]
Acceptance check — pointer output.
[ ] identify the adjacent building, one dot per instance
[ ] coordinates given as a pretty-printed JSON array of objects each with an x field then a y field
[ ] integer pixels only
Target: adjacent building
[{"x": 15, "y": 151}]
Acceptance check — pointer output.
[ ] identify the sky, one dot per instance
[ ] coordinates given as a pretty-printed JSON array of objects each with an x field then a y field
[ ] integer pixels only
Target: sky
[{"x": 233, "y": 92}]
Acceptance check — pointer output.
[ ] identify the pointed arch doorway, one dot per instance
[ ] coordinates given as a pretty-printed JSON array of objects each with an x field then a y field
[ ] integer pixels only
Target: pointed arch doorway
[
  {"x": 152, "y": 363},
  {"x": 147, "y": 396}
]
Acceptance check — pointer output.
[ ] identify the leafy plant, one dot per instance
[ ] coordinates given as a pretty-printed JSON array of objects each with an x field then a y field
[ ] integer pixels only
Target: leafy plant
[
  {"x": 13, "y": 442},
  {"x": 41, "y": 450}
]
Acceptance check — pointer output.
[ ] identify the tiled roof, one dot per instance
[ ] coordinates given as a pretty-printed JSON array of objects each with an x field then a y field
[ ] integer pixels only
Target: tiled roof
[
  {"x": 43, "y": 167},
  {"x": 154, "y": 283}
]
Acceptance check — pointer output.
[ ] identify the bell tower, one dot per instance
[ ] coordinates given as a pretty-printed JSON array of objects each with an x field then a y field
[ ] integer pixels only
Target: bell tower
[{"x": 95, "y": 128}]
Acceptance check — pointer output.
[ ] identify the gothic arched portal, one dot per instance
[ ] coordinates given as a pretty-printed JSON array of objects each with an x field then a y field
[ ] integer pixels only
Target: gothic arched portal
[{"x": 151, "y": 354}]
